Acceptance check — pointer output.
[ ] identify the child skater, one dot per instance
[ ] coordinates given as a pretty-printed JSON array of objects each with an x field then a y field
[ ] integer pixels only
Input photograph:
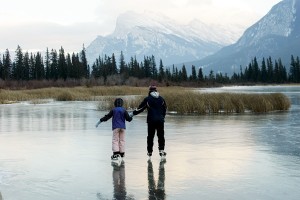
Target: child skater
[{"x": 119, "y": 115}]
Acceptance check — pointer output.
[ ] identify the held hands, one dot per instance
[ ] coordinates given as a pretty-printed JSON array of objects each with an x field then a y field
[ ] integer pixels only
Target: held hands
[
  {"x": 99, "y": 122},
  {"x": 130, "y": 114}
]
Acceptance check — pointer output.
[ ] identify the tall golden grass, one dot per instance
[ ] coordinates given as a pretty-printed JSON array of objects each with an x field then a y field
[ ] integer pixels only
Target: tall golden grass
[{"x": 179, "y": 100}]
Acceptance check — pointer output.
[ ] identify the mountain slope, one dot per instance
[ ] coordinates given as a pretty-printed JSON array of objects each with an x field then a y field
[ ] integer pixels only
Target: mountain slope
[
  {"x": 153, "y": 34},
  {"x": 277, "y": 35}
]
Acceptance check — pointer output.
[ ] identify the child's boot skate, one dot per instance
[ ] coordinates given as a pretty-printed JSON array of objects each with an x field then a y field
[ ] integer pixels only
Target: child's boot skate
[{"x": 116, "y": 159}]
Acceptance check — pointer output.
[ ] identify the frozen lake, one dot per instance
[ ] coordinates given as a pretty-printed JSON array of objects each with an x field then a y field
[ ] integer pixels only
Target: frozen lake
[{"x": 53, "y": 151}]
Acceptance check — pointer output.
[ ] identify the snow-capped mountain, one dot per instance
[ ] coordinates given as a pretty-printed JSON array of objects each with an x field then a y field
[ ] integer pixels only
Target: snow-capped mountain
[
  {"x": 154, "y": 34},
  {"x": 277, "y": 35}
]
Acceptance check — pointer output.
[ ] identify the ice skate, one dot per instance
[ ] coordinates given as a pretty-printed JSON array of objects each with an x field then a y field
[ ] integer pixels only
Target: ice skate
[
  {"x": 149, "y": 156},
  {"x": 162, "y": 154},
  {"x": 116, "y": 159}
]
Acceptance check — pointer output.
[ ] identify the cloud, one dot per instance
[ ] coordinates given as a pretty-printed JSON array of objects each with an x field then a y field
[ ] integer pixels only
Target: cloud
[{"x": 51, "y": 35}]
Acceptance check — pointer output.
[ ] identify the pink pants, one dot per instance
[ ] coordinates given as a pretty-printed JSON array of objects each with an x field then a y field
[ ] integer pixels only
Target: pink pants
[{"x": 118, "y": 140}]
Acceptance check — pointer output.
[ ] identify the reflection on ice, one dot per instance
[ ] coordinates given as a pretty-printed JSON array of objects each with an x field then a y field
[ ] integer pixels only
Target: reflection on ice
[{"x": 156, "y": 190}]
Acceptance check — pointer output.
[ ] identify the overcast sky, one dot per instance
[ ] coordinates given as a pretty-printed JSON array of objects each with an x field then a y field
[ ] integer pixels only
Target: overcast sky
[{"x": 38, "y": 24}]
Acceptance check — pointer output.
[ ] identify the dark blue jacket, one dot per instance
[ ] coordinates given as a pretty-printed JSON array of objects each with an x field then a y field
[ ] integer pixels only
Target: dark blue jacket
[
  {"x": 156, "y": 107},
  {"x": 119, "y": 115}
]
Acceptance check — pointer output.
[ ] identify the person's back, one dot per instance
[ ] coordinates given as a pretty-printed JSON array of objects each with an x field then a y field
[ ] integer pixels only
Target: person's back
[{"x": 156, "y": 108}]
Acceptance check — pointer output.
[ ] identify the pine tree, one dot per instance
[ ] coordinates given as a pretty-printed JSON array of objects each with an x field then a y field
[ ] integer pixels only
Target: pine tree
[
  {"x": 194, "y": 73},
  {"x": 18, "y": 66},
  {"x": 122, "y": 63},
  {"x": 293, "y": 70},
  {"x": 270, "y": 70},
  {"x": 200, "y": 75},
  {"x": 114, "y": 68},
  {"x": 263, "y": 71},
  {"x": 161, "y": 73},
  {"x": 184, "y": 73},
  {"x": 85, "y": 66},
  {"x": 39, "y": 66},
  {"x": 62, "y": 66},
  {"x": 26, "y": 64},
  {"x": 32, "y": 70},
  {"x": 53, "y": 65},
  {"x": 47, "y": 65},
  {"x": 7, "y": 65}
]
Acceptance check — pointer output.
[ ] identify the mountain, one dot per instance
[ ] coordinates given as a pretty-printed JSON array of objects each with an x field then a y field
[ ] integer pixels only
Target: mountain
[
  {"x": 277, "y": 35},
  {"x": 154, "y": 34}
]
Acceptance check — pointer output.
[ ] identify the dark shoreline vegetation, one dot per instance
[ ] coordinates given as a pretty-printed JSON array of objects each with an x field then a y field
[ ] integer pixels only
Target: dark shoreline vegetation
[
  {"x": 68, "y": 77},
  {"x": 180, "y": 100},
  {"x": 108, "y": 70}
]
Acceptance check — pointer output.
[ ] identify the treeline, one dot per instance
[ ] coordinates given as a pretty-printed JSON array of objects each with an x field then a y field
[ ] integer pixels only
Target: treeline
[
  {"x": 65, "y": 66},
  {"x": 55, "y": 65},
  {"x": 268, "y": 71}
]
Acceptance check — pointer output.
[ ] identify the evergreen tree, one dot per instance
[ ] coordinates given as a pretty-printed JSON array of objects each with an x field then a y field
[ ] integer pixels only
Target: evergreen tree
[
  {"x": 282, "y": 72},
  {"x": 147, "y": 67},
  {"x": 194, "y": 73},
  {"x": 39, "y": 66},
  {"x": 53, "y": 65},
  {"x": 69, "y": 66},
  {"x": 32, "y": 70},
  {"x": 62, "y": 66},
  {"x": 292, "y": 75},
  {"x": 26, "y": 65},
  {"x": 18, "y": 66},
  {"x": 7, "y": 65},
  {"x": 161, "y": 73},
  {"x": 114, "y": 68},
  {"x": 184, "y": 73},
  {"x": 154, "y": 73},
  {"x": 47, "y": 65},
  {"x": 200, "y": 75},
  {"x": 122, "y": 63},
  {"x": 85, "y": 66},
  {"x": 276, "y": 74},
  {"x": 76, "y": 66},
  {"x": 270, "y": 70},
  {"x": 264, "y": 74},
  {"x": 255, "y": 76}
]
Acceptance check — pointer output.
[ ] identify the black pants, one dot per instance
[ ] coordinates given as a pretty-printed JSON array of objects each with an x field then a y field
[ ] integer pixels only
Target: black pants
[{"x": 152, "y": 128}]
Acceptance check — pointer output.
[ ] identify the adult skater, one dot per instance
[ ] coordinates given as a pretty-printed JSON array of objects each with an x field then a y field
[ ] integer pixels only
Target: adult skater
[{"x": 156, "y": 107}]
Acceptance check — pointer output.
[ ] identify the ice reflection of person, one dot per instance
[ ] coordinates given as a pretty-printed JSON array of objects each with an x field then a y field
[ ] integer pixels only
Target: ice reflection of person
[
  {"x": 119, "y": 182},
  {"x": 1, "y": 196},
  {"x": 156, "y": 191}
]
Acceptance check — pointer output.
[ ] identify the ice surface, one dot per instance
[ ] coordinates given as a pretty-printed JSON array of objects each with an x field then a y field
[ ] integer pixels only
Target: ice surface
[{"x": 54, "y": 151}]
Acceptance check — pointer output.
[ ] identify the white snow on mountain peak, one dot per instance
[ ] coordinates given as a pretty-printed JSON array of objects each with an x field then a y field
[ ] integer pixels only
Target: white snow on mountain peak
[
  {"x": 278, "y": 21},
  {"x": 217, "y": 33}
]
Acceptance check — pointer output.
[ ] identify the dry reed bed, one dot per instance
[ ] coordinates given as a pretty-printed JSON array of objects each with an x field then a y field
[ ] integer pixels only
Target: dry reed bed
[
  {"x": 179, "y": 100},
  {"x": 203, "y": 103}
]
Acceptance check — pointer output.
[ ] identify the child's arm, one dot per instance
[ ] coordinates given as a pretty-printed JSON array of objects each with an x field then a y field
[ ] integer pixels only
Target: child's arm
[{"x": 105, "y": 118}]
